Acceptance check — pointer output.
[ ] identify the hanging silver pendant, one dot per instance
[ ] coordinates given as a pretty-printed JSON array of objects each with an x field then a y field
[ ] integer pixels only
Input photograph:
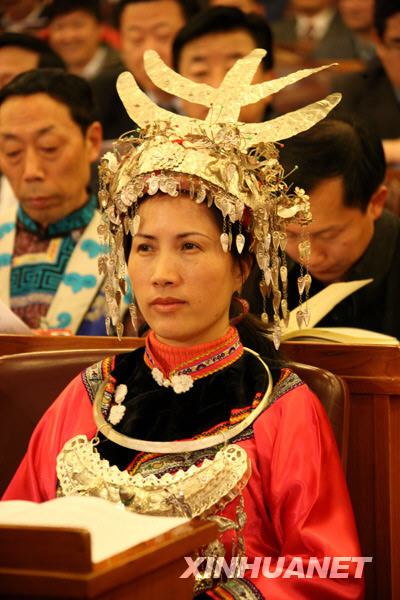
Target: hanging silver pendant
[
  {"x": 301, "y": 284},
  {"x": 299, "y": 318},
  {"x": 240, "y": 241},
  {"x": 224, "y": 239}
]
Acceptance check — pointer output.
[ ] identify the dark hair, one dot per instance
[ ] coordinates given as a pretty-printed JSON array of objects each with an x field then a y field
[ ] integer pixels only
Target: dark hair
[
  {"x": 46, "y": 55},
  {"x": 345, "y": 147},
  {"x": 58, "y": 8},
  {"x": 188, "y": 8},
  {"x": 384, "y": 9},
  {"x": 71, "y": 90},
  {"x": 223, "y": 19}
]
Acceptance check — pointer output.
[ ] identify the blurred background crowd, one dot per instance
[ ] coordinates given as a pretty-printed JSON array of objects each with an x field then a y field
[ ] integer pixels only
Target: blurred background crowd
[{"x": 98, "y": 39}]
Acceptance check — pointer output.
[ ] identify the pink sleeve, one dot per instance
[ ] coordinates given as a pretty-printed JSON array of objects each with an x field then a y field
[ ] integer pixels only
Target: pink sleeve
[
  {"x": 70, "y": 415},
  {"x": 304, "y": 492}
]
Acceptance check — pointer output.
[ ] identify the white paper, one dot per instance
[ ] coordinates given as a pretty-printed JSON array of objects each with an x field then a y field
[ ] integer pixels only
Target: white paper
[
  {"x": 322, "y": 303},
  {"x": 10, "y": 323}
]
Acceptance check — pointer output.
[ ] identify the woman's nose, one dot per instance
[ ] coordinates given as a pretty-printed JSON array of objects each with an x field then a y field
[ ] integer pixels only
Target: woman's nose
[{"x": 165, "y": 271}]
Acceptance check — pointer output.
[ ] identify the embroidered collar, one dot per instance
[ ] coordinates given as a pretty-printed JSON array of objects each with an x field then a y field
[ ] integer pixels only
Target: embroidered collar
[
  {"x": 225, "y": 352},
  {"x": 77, "y": 219}
]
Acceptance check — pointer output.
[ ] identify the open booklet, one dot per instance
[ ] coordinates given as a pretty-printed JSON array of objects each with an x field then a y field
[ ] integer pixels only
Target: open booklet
[
  {"x": 320, "y": 305},
  {"x": 112, "y": 529}
]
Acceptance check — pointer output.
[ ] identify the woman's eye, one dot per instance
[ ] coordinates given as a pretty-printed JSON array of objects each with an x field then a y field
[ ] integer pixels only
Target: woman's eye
[
  {"x": 143, "y": 248},
  {"x": 190, "y": 246}
]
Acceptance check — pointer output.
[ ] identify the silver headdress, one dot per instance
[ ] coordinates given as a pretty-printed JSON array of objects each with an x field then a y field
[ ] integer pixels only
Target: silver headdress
[{"x": 220, "y": 160}]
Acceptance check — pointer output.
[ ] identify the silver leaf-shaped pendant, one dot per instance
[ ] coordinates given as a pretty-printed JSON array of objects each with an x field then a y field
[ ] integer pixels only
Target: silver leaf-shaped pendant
[
  {"x": 307, "y": 281},
  {"x": 305, "y": 250},
  {"x": 263, "y": 288},
  {"x": 224, "y": 239},
  {"x": 268, "y": 276},
  {"x": 276, "y": 336},
  {"x": 267, "y": 241},
  {"x": 283, "y": 271},
  {"x": 240, "y": 240},
  {"x": 283, "y": 241},
  {"x": 136, "y": 224},
  {"x": 275, "y": 275},
  {"x": 152, "y": 185},
  {"x": 285, "y": 312},
  {"x": 276, "y": 301},
  {"x": 275, "y": 239},
  {"x": 230, "y": 171},
  {"x": 307, "y": 316},
  {"x": 120, "y": 330},
  {"x": 299, "y": 318},
  {"x": 301, "y": 284},
  {"x": 201, "y": 195}
]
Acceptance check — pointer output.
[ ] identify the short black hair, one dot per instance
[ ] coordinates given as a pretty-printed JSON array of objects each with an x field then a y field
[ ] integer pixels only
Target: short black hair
[
  {"x": 69, "y": 89},
  {"x": 57, "y": 8},
  {"x": 345, "y": 147},
  {"x": 384, "y": 9},
  {"x": 48, "y": 58},
  {"x": 222, "y": 19},
  {"x": 188, "y": 7}
]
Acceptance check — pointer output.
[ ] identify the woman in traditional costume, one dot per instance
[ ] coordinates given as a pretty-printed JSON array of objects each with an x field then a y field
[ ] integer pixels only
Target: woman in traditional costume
[{"x": 195, "y": 423}]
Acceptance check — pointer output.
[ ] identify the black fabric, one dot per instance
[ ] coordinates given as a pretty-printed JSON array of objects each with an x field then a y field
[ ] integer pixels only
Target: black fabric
[
  {"x": 159, "y": 414},
  {"x": 369, "y": 95}
]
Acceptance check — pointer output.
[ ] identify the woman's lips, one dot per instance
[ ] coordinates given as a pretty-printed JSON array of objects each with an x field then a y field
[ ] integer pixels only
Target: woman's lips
[{"x": 166, "y": 305}]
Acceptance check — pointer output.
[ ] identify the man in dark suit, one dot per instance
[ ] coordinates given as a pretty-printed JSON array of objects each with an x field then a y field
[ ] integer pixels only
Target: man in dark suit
[
  {"x": 315, "y": 30},
  {"x": 374, "y": 93}
]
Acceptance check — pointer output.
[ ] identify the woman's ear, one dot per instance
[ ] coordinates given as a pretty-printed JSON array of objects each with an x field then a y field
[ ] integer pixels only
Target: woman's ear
[{"x": 245, "y": 264}]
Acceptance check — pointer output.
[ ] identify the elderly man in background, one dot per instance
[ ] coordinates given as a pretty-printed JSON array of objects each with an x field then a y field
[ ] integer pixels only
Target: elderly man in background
[
  {"x": 21, "y": 52},
  {"x": 49, "y": 136}
]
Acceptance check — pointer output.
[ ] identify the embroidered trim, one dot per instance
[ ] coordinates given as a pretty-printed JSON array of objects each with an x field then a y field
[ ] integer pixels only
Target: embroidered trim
[
  {"x": 95, "y": 375},
  {"x": 202, "y": 365}
]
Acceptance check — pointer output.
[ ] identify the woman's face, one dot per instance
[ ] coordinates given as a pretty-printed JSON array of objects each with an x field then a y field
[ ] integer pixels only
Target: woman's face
[{"x": 182, "y": 279}]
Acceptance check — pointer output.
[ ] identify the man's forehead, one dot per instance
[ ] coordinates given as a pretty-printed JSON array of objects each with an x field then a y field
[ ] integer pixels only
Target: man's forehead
[
  {"x": 229, "y": 44},
  {"x": 9, "y": 132},
  {"x": 159, "y": 13},
  {"x": 34, "y": 114}
]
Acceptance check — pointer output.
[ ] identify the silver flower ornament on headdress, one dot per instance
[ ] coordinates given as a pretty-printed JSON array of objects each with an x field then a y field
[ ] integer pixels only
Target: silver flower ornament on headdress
[{"x": 220, "y": 160}]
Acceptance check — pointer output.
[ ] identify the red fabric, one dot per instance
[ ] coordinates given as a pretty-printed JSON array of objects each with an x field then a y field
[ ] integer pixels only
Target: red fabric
[
  {"x": 170, "y": 357},
  {"x": 296, "y": 500}
]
